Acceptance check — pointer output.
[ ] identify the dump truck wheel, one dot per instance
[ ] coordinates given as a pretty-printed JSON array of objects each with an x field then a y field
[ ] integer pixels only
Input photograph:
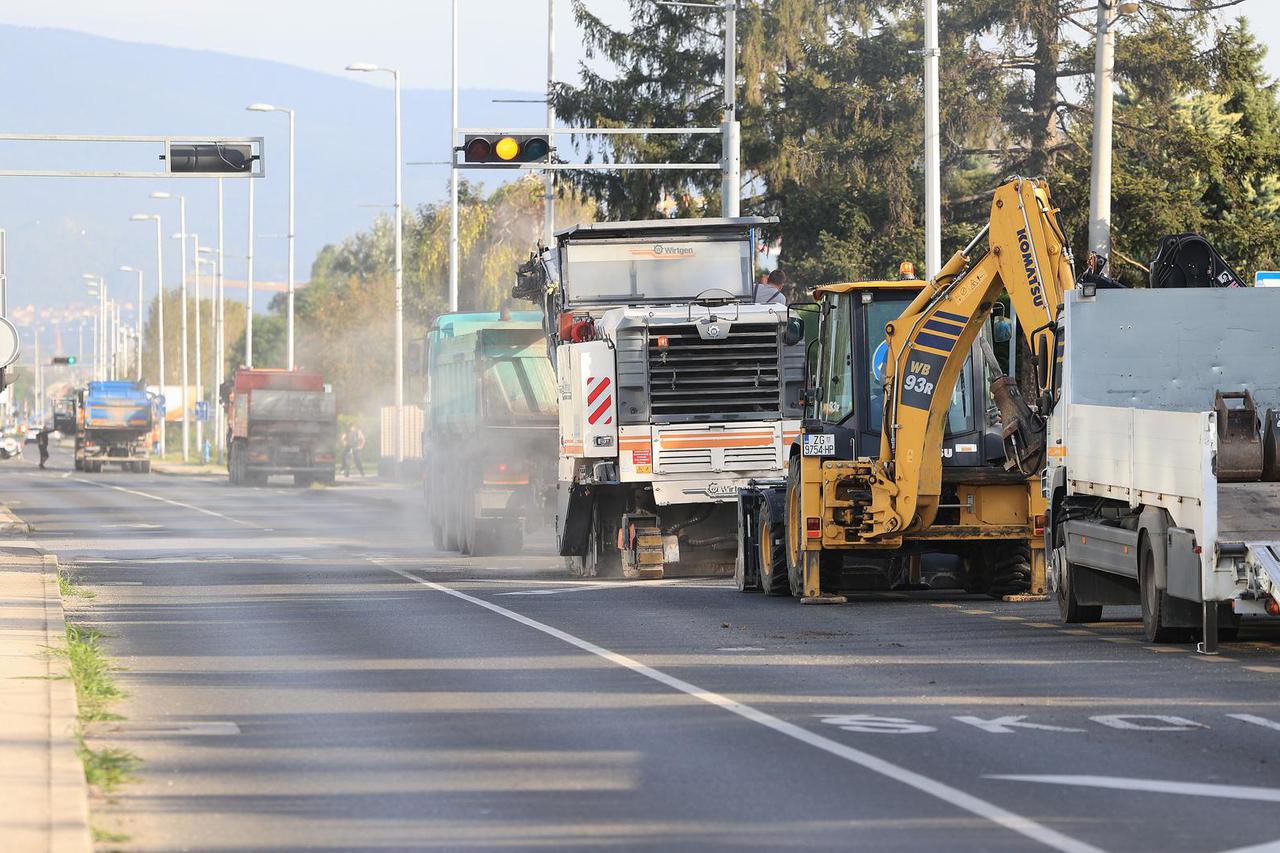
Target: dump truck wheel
[
  {"x": 144, "y": 467},
  {"x": 771, "y": 537}
]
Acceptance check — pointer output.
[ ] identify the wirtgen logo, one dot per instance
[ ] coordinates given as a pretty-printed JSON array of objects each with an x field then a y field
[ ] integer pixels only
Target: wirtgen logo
[{"x": 662, "y": 252}]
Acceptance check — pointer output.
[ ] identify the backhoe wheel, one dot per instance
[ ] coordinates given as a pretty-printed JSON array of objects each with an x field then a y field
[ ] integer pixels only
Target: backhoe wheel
[
  {"x": 1155, "y": 602},
  {"x": 1070, "y": 610},
  {"x": 771, "y": 546}
]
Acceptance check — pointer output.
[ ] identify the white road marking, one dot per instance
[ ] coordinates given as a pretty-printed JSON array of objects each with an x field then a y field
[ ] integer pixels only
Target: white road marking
[
  {"x": 954, "y": 796},
  {"x": 1154, "y": 786},
  {"x": 556, "y": 591},
  {"x": 1257, "y": 721},
  {"x": 1265, "y": 847},
  {"x": 1163, "y": 723},
  {"x": 1006, "y": 725},
  {"x": 741, "y": 649},
  {"x": 168, "y": 501}
]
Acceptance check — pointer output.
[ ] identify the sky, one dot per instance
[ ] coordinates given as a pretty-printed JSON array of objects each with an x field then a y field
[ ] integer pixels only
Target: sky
[{"x": 502, "y": 42}]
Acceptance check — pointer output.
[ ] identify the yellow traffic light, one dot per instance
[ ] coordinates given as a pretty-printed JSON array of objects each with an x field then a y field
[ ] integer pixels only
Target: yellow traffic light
[{"x": 507, "y": 148}]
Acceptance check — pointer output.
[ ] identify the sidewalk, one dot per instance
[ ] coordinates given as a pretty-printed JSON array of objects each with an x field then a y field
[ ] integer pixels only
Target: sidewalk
[{"x": 43, "y": 795}]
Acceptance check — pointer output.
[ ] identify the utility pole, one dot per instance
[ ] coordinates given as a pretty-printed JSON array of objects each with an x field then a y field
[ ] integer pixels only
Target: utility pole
[
  {"x": 453, "y": 172},
  {"x": 549, "y": 178},
  {"x": 1100, "y": 171},
  {"x": 932, "y": 147},
  {"x": 219, "y": 335},
  {"x": 248, "y": 290},
  {"x": 731, "y": 187}
]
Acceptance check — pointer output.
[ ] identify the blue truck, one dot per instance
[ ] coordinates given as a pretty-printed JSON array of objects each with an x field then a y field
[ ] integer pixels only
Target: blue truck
[{"x": 114, "y": 423}]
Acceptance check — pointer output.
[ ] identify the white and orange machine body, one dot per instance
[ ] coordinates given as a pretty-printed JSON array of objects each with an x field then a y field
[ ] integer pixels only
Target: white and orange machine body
[{"x": 678, "y": 386}]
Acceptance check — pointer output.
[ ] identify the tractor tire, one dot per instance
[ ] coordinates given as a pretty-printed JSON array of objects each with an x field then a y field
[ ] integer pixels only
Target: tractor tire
[{"x": 771, "y": 538}]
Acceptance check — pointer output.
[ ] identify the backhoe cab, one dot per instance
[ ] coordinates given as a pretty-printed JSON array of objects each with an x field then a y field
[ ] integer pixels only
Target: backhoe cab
[{"x": 916, "y": 448}]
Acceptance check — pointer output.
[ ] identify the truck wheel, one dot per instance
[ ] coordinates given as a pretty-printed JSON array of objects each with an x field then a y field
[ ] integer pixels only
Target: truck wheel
[
  {"x": 771, "y": 544},
  {"x": 1155, "y": 602},
  {"x": 1070, "y": 610},
  {"x": 437, "y": 533},
  {"x": 144, "y": 467}
]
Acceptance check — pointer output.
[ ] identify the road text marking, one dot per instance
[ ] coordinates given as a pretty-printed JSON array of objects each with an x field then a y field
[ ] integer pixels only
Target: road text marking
[{"x": 939, "y": 790}]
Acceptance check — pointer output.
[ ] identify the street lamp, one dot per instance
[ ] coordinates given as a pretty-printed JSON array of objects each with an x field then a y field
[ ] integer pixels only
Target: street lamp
[
  {"x": 215, "y": 311},
  {"x": 138, "y": 319},
  {"x": 269, "y": 108},
  {"x": 186, "y": 402},
  {"x": 195, "y": 248},
  {"x": 144, "y": 217},
  {"x": 399, "y": 263}
]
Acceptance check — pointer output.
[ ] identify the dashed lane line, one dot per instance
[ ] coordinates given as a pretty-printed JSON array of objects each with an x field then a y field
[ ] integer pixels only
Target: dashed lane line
[
  {"x": 1027, "y": 827},
  {"x": 137, "y": 493}
]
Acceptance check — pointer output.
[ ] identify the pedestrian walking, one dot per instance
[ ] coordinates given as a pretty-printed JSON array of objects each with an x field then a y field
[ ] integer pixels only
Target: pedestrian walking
[
  {"x": 352, "y": 444},
  {"x": 42, "y": 442}
]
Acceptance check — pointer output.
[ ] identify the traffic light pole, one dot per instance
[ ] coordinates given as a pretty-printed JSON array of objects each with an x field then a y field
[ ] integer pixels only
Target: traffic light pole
[
  {"x": 549, "y": 179},
  {"x": 453, "y": 172}
]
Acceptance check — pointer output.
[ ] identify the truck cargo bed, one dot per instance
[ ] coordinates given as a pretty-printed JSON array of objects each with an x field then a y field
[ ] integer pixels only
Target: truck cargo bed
[{"x": 1248, "y": 512}]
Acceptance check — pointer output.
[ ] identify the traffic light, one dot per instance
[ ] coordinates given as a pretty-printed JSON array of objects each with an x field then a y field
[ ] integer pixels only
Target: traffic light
[
  {"x": 69, "y": 360},
  {"x": 508, "y": 150},
  {"x": 210, "y": 158}
]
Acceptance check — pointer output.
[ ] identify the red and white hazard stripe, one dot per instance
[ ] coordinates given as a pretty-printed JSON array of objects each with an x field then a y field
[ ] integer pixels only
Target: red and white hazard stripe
[{"x": 599, "y": 400}]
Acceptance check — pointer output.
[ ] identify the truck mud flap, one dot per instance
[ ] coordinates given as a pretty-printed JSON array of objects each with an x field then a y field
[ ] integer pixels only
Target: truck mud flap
[{"x": 573, "y": 519}]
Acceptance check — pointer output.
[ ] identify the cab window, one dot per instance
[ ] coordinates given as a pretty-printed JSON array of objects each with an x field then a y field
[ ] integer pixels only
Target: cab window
[{"x": 837, "y": 367}]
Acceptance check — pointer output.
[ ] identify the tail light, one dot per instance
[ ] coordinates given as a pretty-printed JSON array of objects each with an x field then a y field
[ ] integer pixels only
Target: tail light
[
  {"x": 324, "y": 457},
  {"x": 505, "y": 474},
  {"x": 813, "y": 528},
  {"x": 1273, "y": 607},
  {"x": 1038, "y": 523}
]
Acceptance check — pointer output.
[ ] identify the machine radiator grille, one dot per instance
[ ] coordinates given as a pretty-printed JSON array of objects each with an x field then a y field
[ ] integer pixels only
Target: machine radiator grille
[{"x": 691, "y": 378}]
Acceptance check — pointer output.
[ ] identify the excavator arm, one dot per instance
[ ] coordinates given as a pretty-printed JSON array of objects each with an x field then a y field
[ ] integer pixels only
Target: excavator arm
[{"x": 1027, "y": 255}]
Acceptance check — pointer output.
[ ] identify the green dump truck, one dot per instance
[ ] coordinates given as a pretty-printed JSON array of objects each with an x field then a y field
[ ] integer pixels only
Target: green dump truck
[{"x": 489, "y": 437}]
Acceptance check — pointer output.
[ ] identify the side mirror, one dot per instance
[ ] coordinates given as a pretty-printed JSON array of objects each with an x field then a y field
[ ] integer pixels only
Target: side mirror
[{"x": 794, "y": 332}]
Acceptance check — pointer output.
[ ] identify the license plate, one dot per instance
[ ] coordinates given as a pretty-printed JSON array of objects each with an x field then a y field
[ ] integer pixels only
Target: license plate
[{"x": 819, "y": 445}]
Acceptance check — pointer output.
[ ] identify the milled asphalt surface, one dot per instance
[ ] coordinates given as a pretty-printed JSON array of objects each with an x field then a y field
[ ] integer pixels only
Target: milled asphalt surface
[{"x": 305, "y": 672}]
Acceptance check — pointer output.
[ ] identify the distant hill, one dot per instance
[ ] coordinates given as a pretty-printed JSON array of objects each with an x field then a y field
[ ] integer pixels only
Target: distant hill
[{"x": 65, "y": 82}]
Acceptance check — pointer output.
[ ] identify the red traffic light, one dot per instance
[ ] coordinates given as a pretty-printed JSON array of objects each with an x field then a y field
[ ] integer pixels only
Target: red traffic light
[
  {"x": 504, "y": 150},
  {"x": 477, "y": 149}
]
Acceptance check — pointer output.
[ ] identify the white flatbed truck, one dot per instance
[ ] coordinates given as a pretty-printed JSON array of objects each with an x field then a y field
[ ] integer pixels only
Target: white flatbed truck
[{"x": 1161, "y": 476}]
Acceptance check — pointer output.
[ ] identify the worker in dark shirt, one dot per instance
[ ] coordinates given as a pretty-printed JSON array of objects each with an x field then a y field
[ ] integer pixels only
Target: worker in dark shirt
[{"x": 42, "y": 442}]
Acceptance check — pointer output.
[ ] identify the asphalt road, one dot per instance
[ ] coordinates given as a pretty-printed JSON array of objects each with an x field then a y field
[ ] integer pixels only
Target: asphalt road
[{"x": 305, "y": 673}]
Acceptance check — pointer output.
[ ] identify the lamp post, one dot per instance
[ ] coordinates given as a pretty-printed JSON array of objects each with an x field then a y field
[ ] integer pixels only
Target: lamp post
[
  {"x": 137, "y": 320},
  {"x": 268, "y": 108},
  {"x": 215, "y": 316},
  {"x": 144, "y": 217},
  {"x": 98, "y": 285},
  {"x": 195, "y": 247},
  {"x": 399, "y": 263},
  {"x": 186, "y": 402}
]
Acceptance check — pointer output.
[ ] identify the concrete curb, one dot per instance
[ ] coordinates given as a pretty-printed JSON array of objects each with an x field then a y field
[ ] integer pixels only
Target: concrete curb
[
  {"x": 68, "y": 790},
  {"x": 11, "y": 524},
  {"x": 44, "y": 804}
]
